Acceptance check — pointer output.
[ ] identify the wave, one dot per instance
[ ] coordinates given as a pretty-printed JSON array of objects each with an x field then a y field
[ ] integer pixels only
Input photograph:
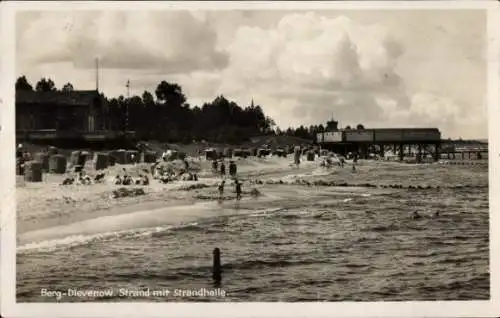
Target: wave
[
  {"x": 254, "y": 264},
  {"x": 293, "y": 180},
  {"x": 213, "y": 224},
  {"x": 381, "y": 228},
  {"x": 81, "y": 240}
]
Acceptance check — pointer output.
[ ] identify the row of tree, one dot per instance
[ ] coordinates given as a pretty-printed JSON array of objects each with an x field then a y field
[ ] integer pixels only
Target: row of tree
[
  {"x": 43, "y": 85},
  {"x": 169, "y": 118}
]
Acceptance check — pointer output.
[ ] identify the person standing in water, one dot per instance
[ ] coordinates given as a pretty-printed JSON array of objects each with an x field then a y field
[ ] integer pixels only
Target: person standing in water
[{"x": 238, "y": 189}]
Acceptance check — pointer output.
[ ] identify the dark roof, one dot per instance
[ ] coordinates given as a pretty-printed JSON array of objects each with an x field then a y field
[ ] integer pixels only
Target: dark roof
[{"x": 75, "y": 98}]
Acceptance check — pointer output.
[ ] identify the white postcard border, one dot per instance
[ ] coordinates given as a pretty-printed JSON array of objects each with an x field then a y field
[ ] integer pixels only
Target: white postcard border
[{"x": 8, "y": 306}]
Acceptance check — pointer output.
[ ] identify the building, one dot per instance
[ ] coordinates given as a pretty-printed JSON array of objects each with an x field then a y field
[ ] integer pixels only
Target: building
[
  {"x": 378, "y": 141},
  {"x": 82, "y": 111},
  {"x": 68, "y": 117}
]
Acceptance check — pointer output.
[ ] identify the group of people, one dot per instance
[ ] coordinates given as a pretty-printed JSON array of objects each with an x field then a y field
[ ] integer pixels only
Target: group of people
[
  {"x": 82, "y": 178},
  {"x": 166, "y": 175},
  {"x": 221, "y": 168},
  {"x": 328, "y": 162},
  {"x": 237, "y": 186},
  {"x": 129, "y": 180}
]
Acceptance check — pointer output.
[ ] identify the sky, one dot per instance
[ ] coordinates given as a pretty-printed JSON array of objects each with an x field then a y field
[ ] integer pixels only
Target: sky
[{"x": 411, "y": 68}]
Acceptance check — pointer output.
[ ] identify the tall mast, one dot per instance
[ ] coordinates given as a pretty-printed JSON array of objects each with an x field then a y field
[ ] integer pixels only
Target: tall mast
[{"x": 97, "y": 74}]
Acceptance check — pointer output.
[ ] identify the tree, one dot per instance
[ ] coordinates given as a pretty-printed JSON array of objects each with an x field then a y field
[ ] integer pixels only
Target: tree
[
  {"x": 147, "y": 98},
  {"x": 360, "y": 127},
  {"x": 45, "y": 85},
  {"x": 22, "y": 84},
  {"x": 170, "y": 118},
  {"x": 68, "y": 87},
  {"x": 269, "y": 125},
  {"x": 347, "y": 127},
  {"x": 170, "y": 94}
]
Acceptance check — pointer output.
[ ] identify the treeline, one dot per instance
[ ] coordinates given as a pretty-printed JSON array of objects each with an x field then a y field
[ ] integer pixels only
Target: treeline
[{"x": 166, "y": 116}]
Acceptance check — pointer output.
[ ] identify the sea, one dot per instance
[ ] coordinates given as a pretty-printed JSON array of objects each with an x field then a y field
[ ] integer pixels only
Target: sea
[{"x": 326, "y": 235}]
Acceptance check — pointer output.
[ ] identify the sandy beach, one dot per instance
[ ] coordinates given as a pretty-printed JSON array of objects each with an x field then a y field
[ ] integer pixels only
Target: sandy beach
[{"x": 48, "y": 203}]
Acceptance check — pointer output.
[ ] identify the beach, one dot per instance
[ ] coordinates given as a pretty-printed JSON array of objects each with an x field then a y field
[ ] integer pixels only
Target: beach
[{"x": 314, "y": 234}]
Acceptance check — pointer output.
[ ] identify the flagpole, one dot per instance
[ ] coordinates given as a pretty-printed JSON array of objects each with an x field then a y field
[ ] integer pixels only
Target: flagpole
[
  {"x": 126, "y": 106},
  {"x": 97, "y": 74}
]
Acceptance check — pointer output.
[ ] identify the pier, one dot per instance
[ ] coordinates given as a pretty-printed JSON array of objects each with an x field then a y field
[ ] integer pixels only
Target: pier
[
  {"x": 418, "y": 143},
  {"x": 399, "y": 141}
]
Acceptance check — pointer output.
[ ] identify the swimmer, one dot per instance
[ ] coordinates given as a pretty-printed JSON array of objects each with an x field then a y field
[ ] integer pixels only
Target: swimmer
[{"x": 416, "y": 216}]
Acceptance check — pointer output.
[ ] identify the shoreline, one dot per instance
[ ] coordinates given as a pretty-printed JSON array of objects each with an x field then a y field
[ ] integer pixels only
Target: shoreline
[{"x": 48, "y": 204}]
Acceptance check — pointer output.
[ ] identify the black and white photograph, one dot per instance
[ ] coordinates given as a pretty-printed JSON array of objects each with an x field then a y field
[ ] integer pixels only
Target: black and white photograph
[{"x": 247, "y": 155}]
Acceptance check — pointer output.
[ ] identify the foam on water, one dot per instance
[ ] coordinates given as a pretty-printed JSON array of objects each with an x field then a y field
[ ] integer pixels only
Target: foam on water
[
  {"x": 74, "y": 240},
  {"x": 142, "y": 219},
  {"x": 81, "y": 239}
]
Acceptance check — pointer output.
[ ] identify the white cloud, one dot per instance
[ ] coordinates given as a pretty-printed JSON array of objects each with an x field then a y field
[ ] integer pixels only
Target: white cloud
[
  {"x": 318, "y": 66},
  {"x": 381, "y": 69},
  {"x": 169, "y": 42}
]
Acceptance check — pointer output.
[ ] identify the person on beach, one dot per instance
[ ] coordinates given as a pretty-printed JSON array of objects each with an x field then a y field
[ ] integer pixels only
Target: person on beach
[
  {"x": 238, "y": 189},
  {"x": 20, "y": 151},
  {"x": 232, "y": 168},
  {"x": 118, "y": 180},
  {"x": 221, "y": 189},
  {"x": 222, "y": 169}
]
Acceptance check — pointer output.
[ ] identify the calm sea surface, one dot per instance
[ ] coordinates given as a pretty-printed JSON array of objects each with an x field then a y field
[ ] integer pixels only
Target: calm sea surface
[{"x": 297, "y": 243}]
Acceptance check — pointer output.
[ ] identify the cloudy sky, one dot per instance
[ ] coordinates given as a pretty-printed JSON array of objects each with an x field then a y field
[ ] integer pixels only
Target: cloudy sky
[{"x": 379, "y": 68}]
